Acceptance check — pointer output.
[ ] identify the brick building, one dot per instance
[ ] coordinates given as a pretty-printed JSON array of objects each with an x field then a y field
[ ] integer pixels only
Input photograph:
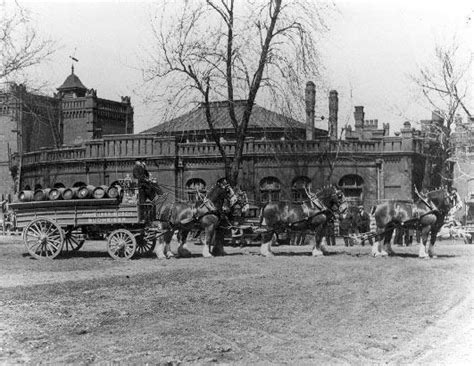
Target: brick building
[
  {"x": 33, "y": 122},
  {"x": 280, "y": 156}
]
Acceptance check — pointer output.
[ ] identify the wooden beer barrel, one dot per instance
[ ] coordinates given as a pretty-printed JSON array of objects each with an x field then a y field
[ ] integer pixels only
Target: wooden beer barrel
[
  {"x": 113, "y": 192},
  {"x": 70, "y": 193},
  {"x": 26, "y": 196},
  {"x": 41, "y": 194},
  {"x": 56, "y": 194},
  {"x": 100, "y": 192},
  {"x": 85, "y": 192}
]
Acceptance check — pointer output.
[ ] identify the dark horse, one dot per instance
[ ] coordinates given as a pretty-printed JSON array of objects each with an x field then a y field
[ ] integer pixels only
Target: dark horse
[
  {"x": 310, "y": 216},
  {"x": 205, "y": 215},
  {"x": 426, "y": 215}
]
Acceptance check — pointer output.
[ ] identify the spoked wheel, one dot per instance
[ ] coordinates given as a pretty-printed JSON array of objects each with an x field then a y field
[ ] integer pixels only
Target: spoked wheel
[
  {"x": 146, "y": 242},
  {"x": 73, "y": 239},
  {"x": 43, "y": 238},
  {"x": 121, "y": 244}
]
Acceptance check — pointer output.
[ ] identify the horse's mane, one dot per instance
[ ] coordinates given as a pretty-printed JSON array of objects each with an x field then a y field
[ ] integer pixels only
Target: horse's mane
[{"x": 326, "y": 192}]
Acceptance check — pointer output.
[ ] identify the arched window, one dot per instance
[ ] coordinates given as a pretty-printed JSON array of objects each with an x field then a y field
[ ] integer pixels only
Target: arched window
[
  {"x": 59, "y": 185},
  {"x": 352, "y": 186},
  {"x": 298, "y": 192},
  {"x": 192, "y": 186},
  {"x": 38, "y": 186},
  {"x": 79, "y": 184},
  {"x": 270, "y": 188}
]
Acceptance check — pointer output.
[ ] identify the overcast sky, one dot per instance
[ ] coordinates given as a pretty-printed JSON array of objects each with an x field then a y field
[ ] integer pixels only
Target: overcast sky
[{"x": 370, "y": 49}]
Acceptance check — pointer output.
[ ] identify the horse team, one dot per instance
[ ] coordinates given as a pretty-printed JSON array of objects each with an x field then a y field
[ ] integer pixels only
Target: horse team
[{"x": 211, "y": 213}]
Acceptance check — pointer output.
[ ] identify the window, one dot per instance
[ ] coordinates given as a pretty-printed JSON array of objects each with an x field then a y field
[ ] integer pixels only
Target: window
[
  {"x": 194, "y": 185},
  {"x": 270, "y": 188},
  {"x": 352, "y": 186}
]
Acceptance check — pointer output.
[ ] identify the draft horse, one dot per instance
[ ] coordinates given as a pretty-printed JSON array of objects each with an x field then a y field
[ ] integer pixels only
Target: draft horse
[
  {"x": 426, "y": 215},
  {"x": 311, "y": 215},
  {"x": 205, "y": 215}
]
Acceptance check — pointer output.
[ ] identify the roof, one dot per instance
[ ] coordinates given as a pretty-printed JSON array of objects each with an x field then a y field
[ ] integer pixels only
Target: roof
[
  {"x": 196, "y": 119},
  {"x": 72, "y": 82}
]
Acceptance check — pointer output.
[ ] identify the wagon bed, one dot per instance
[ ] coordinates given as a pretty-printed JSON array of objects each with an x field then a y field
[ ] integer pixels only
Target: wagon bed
[{"x": 50, "y": 227}]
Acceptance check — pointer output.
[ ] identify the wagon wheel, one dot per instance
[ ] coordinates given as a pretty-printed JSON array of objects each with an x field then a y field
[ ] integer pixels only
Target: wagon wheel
[
  {"x": 146, "y": 242},
  {"x": 73, "y": 239},
  {"x": 121, "y": 244},
  {"x": 43, "y": 238}
]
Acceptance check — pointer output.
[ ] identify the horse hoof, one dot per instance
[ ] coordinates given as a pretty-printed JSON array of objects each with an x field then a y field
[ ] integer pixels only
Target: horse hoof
[
  {"x": 384, "y": 253},
  {"x": 169, "y": 255},
  {"x": 317, "y": 253},
  {"x": 184, "y": 253},
  {"x": 376, "y": 254},
  {"x": 219, "y": 253},
  {"x": 161, "y": 256},
  {"x": 207, "y": 255}
]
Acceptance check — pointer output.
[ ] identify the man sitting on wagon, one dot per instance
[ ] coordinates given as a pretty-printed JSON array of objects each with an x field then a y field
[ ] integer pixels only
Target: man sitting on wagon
[{"x": 147, "y": 188}]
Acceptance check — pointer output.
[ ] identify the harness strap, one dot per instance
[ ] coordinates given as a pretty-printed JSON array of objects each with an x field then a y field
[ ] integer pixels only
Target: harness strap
[{"x": 309, "y": 218}]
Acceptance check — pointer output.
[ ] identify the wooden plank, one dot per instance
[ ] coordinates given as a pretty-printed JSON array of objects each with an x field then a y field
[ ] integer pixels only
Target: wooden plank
[{"x": 64, "y": 203}]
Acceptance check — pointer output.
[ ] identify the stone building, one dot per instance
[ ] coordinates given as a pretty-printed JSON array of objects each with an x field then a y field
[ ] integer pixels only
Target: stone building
[
  {"x": 462, "y": 139},
  {"x": 30, "y": 122},
  {"x": 281, "y": 156},
  {"x": 86, "y": 117}
]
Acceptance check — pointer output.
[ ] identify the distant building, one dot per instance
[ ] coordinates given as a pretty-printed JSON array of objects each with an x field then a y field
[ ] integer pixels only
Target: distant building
[
  {"x": 462, "y": 139},
  {"x": 33, "y": 122},
  {"x": 281, "y": 155},
  {"x": 86, "y": 117}
]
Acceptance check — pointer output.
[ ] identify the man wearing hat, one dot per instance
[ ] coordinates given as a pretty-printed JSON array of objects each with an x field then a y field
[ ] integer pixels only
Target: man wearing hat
[
  {"x": 363, "y": 223},
  {"x": 147, "y": 187}
]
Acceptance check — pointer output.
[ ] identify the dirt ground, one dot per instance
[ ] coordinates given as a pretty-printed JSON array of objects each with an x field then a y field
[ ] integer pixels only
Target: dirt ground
[{"x": 343, "y": 308}]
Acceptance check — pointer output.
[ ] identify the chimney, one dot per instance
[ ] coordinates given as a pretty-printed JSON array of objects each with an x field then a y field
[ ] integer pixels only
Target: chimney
[
  {"x": 333, "y": 109},
  {"x": 310, "y": 98},
  {"x": 437, "y": 117},
  {"x": 359, "y": 117}
]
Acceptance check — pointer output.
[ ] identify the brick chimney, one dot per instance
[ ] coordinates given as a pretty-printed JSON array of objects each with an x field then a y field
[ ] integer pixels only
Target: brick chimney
[
  {"x": 359, "y": 117},
  {"x": 437, "y": 117},
  {"x": 333, "y": 109},
  {"x": 310, "y": 98}
]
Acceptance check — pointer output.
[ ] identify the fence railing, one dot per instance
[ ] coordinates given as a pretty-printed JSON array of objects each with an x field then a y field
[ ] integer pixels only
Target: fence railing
[{"x": 136, "y": 146}]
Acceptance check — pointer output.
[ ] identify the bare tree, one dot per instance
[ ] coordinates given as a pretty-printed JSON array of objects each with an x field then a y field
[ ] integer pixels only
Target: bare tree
[
  {"x": 447, "y": 87},
  {"x": 20, "y": 45},
  {"x": 213, "y": 50}
]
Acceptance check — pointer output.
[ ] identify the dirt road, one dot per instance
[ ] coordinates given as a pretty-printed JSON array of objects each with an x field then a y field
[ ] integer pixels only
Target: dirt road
[{"x": 344, "y": 308}]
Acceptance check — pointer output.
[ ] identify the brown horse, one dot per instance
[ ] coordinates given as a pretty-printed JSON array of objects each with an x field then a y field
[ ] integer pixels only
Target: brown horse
[
  {"x": 206, "y": 215},
  {"x": 426, "y": 215},
  {"x": 312, "y": 215}
]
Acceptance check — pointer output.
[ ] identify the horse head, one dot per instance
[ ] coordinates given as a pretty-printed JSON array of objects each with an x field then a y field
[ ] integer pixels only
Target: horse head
[
  {"x": 242, "y": 200},
  {"x": 442, "y": 199},
  {"x": 221, "y": 191},
  {"x": 333, "y": 198}
]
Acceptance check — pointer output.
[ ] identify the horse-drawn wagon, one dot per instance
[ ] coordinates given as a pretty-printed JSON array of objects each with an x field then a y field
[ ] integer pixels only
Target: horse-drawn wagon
[{"x": 54, "y": 226}]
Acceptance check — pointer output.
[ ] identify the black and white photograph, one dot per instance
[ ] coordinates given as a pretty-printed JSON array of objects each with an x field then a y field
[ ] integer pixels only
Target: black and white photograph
[{"x": 236, "y": 182}]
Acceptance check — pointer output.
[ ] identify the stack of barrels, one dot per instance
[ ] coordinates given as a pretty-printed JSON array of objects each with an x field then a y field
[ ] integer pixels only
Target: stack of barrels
[{"x": 73, "y": 193}]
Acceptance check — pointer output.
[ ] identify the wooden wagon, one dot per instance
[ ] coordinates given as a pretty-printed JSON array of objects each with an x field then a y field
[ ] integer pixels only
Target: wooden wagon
[{"x": 52, "y": 227}]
